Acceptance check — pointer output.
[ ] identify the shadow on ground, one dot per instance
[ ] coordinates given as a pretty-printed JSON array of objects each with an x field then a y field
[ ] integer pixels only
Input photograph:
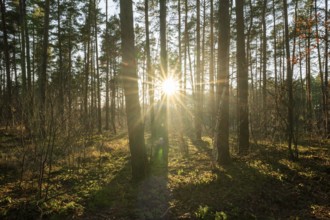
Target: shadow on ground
[
  {"x": 262, "y": 186},
  {"x": 123, "y": 199}
]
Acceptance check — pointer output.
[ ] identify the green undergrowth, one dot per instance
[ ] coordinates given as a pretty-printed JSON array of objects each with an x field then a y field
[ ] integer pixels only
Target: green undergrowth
[
  {"x": 262, "y": 185},
  {"x": 69, "y": 188}
]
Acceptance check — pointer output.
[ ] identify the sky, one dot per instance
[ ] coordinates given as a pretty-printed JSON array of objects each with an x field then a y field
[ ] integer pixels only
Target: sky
[{"x": 112, "y": 7}]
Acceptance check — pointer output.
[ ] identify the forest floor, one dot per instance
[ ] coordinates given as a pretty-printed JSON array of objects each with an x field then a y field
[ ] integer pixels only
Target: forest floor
[{"x": 262, "y": 185}]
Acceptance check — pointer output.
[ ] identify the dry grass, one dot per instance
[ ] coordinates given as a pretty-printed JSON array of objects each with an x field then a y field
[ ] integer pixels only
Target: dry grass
[{"x": 96, "y": 185}]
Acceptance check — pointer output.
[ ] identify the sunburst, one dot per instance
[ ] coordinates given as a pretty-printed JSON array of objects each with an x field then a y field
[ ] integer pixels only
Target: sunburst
[{"x": 170, "y": 86}]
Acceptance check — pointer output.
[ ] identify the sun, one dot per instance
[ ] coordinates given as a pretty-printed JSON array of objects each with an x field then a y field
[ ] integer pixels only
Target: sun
[{"x": 170, "y": 86}]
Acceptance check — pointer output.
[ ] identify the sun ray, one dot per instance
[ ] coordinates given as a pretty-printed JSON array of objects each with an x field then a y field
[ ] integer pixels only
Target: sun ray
[{"x": 170, "y": 86}]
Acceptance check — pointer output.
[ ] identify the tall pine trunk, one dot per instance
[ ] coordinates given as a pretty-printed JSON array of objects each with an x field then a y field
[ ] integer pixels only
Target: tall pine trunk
[
  {"x": 198, "y": 107},
  {"x": 326, "y": 67},
  {"x": 222, "y": 130},
  {"x": 211, "y": 69},
  {"x": 242, "y": 80},
  {"x": 43, "y": 71},
  {"x": 264, "y": 67},
  {"x": 107, "y": 54},
  {"x": 8, "y": 98},
  {"x": 164, "y": 74},
  {"x": 149, "y": 72},
  {"x": 98, "y": 80},
  {"x": 289, "y": 81},
  {"x": 130, "y": 83}
]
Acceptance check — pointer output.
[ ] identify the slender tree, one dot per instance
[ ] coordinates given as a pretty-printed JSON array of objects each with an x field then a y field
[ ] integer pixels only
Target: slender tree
[
  {"x": 324, "y": 109},
  {"x": 242, "y": 80},
  {"x": 8, "y": 96},
  {"x": 184, "y": 147},
  {"x": 60, "y": 63},
  {"x": 222, "y": 130},
  {"x": 198, "y": 107},
  {"x": 289, "y": 81},
  {"x": 98, "y": 80},
  {"x": 22, "y": 30},
  {"x": 308, "y": 69},
  {"x": 87, "y": 55},
  {"x": 326, "y": 67},
  {"x": 264, "y": 64},
  {"x": 275, "y": 48},
  {"x": 43, "y": 69},
  {"x": 211, "y": 68},
  {"x": 163, "y": 68},
  {"x": 107, "y": 78},
  {"x": 149, "y": 71},
  {"x": 185, "y": 66},
  {"x": 133, "y": 109}
]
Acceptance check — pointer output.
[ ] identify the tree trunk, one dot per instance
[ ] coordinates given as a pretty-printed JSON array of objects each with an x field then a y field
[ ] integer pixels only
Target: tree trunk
[
  {"x": 43, "y": 72},
  {"x": 164, "y": 74},
  {"x": 87, "y": 66},
  {"x": 320, "y": 68},
  {"x": 184, "y": 147},
  {"x": 275, "y": 49},
  {"x": 27, "y": 42},
  {"x": 212, "y": 98},
  {"x": 107, "y": 112},
  {"x": 185, "y": 66},
  {"x": 198, "y": 108},
  {"x": 223, "y": 83},
  {"x": 326, "y": 35},
  {"x": 289, "y": 81},
  {"x": 242, "y": 80},
  {"x": 113, "y": 102},
  {"x": 60, "y": 64},
  {"x": 308, "y": 74},
  {"x": 150, "y": 73},
  {"x": 98, "y": 81},
  {"x": 23, "y": 63},
  {"x": 8, "y": 98},
  {"x": 264, "y": 68},
  {"x": 69, "y": 82},
  {"x": 130, "y": 83}
]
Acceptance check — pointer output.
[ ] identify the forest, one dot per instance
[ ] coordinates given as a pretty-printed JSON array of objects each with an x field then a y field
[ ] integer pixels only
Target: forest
[{"x": 164, "y": 109}]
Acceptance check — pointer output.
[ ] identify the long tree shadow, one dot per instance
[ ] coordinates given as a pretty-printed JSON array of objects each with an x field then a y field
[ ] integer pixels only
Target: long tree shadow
[
  {"x": 123, "y": 199},
  {"x": 307, "y": 178},
  {"x": 259, "y": 187}
]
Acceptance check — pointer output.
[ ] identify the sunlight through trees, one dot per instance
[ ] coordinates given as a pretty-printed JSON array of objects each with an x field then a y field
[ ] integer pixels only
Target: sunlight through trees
[{"x": 165, "y": 80}]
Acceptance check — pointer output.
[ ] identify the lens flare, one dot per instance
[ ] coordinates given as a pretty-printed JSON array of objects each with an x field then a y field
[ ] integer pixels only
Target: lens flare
[{"x": 170, "y": 86}]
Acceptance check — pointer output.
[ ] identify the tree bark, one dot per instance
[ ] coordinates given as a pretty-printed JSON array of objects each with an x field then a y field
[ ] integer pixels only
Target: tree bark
[
  {"x": 326, "y": 67},
  {"x": 212, "y": 97},
  {"x": 185, "y": 66},
  {"x": 107, "y": 112},
  {"x": 133, "y": 109},
  {"x": 242, "y": 80},
  {"x": 43, "y": 72},
  {"x": 264, "y": 67},
  {"x": 60, "y": 64},
  {"x": 8, "y": 98},
  {"x": 198, "y": 108},
  {"x": 289, "y": 81},
  {"x": 164, "y": 74},
  {"x": 149, "y": 72},
  {"x": 320, "y": 68},
  {"x": 23, "y": 63},
  {"x": 98, "y": 81},
  {"x": 223, "y": 83},
  {"x": 275, "y": 49}
]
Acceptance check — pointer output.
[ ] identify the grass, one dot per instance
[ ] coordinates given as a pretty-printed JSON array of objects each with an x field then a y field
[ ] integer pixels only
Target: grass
[{"x": 262, "y": 185}]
